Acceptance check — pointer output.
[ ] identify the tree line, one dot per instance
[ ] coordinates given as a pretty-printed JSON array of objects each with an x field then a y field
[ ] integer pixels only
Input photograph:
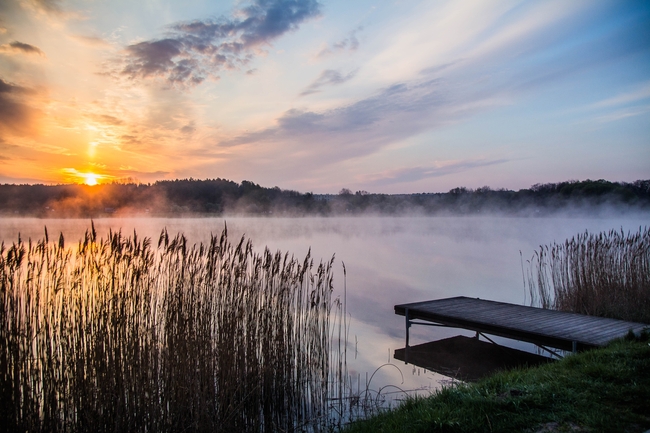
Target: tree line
[{"x": 225, "y": 197}]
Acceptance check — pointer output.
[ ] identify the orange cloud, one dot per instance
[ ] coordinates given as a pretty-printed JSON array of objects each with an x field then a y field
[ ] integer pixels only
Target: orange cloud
[
  {"x": 16, "y": 47},
  {"x": 17, "y": 115}
]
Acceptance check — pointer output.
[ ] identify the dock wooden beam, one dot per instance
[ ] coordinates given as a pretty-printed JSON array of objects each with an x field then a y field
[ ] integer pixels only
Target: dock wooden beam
[{"x": 557, "y": 329}]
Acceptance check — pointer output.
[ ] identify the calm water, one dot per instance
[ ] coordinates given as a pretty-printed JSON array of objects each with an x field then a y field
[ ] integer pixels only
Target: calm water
[{"x": 389, "y": 261}]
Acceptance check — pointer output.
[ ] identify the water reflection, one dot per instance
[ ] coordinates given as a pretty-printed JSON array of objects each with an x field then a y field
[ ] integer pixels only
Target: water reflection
[
  {"x": 467, "y": 358},
  {"x": 389, "y": 261}
]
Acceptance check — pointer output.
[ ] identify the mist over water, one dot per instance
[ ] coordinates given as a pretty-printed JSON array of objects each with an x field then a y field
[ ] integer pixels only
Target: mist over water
[{"x": 389, "y": 261}]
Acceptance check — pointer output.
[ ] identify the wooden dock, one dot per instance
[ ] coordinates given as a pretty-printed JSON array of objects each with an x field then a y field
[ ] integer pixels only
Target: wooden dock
[{"x": 557, "y": 329}]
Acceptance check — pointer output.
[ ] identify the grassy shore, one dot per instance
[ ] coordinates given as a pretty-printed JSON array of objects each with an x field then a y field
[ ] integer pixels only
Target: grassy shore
[{"x": 602, "y": 390}]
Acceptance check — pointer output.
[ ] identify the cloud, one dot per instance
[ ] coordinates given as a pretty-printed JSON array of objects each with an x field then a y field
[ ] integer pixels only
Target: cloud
[
  {"x": 311, "y": 143},
  {"x": 22, "y": 180},
  {"x": 4, "y": 147},
  {"x": 327, "y": 77},
  {"x": 459, "y": 86},
  {"x": 350, "y": 43},
  {"x": 107, "y": 119},
  {"x": 130, "y": 139},
  {"x": 189, "y": 128},
  {"x": 623, "y": 105},
  {"x": 91, "y": 41},
  {"x": 414, "y": 174},
  {"x": 195, "y": 50},
  {"x": 52, "y": 8},
  {"x": 130, "y": 171},
  {"x": 623, "y": 114},
  {"x": 48, "y": 5},
  {"x": 641, "y": 93},
  {"x": 130, "y": 174},
  {"x": 16, "y": 47},
  {"x": 16, "y": 116},
  {"x": 12, "y": 5},
  {"x": 362, "y": 127}
]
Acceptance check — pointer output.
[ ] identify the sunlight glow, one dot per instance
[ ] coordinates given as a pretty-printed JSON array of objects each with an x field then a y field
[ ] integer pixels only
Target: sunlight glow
[
  {"x": 91, "y": 179},
  {"x": 72, "y": 175},
  {"x": 322, "y": 99}
]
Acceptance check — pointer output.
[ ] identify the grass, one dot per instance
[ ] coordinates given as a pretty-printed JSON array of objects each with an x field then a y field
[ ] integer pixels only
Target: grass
[
  {"x": 605, "y": 274},
  {"x": 602, "y": 390},
  {"x": 115, "y": 334}
]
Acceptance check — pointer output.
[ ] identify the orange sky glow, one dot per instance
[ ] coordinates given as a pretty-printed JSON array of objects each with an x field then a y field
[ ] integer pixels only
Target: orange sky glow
[{"x": 406, "y": 97}]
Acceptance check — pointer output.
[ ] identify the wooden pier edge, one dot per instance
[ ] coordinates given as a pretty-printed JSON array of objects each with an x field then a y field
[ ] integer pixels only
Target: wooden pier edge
[{"x": 542, "y": 327}]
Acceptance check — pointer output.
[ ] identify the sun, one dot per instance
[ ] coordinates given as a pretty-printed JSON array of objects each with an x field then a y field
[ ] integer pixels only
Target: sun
[{"x": 90, "y": 179}]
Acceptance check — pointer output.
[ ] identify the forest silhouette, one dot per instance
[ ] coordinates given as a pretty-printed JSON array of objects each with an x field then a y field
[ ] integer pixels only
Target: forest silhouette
[{"x": 191, "y": 197}]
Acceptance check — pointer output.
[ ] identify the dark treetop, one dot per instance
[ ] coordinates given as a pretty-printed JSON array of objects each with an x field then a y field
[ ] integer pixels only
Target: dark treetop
[{"x": 224, "y": 197}]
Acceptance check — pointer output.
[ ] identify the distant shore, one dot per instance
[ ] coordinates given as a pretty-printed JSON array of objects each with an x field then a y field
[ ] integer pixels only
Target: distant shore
[{"x": 221, "y": 197}]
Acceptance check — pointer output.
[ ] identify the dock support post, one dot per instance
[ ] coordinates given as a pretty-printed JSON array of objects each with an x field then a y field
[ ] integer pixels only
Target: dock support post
[{"x": 408, "y": 325}]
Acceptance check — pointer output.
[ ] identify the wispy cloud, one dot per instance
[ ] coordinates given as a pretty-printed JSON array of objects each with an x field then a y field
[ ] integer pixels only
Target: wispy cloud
[
  {"x": 4, "y": 147},
  {"x": 189, "y": 128},
  {"x": 473, "y": 82},
  {"x": 630, "y": 103},
  {"x": 349, "y": 43},
  {"x": 22, "y": 180},
  {"x": 16, "y": 114},
  {"x": 193, "y": 51},
  {"x": 624, "y": 113},
  {"x": 108, "y": 175},
  {"x": 16, "y": 47},
  {"x": 641, "y": 93},
  {"x": 48, "y": 5},
  {"x": 55, "y": 9},
  {"x": 442, "y": 81},
  {"x": 367, "y": 125},
  {"x": 131, "y": 172},
  {"x": 91, "y": 41},
  {"x": 327, "y": 78},
  {"x": 414, "y": 174},
  {"x": 107, "y": 119}
]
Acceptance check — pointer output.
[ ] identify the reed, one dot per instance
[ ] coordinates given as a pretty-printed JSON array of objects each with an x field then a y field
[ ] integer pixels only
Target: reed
[
  {"x": 117, "y": 334},
  {"x": 605, "y": 274}
]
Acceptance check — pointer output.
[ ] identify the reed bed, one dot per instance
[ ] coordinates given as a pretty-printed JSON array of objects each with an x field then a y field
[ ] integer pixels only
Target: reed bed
[
  {"x": 605, "y": 274},
  {"x": 117, "y": 334}
]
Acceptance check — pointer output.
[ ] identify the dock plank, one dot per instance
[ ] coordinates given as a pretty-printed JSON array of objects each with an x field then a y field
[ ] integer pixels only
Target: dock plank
[{"x": 536, "y": 325}]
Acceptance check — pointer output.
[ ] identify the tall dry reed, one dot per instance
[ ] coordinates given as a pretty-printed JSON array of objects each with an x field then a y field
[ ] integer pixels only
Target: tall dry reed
[
  {"x": 116, "y": 334},
  {"x": 605, "y": 274}
]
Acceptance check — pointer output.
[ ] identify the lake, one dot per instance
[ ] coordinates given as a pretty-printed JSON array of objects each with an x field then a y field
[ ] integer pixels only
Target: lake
[{"x": 388, "y": 260}]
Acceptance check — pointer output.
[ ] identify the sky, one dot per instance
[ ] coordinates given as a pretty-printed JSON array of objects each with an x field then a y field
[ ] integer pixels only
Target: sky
[{"x": 398, "y": 96}]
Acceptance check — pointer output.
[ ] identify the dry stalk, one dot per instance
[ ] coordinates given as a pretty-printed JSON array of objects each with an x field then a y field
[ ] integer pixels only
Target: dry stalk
[{"x": 605, "y": 274}]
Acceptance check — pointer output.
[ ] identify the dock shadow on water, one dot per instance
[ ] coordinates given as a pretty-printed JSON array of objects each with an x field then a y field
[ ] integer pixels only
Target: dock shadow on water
[
  {"x": 117, "y": 334},
  {"x": 467, "y": 358}
]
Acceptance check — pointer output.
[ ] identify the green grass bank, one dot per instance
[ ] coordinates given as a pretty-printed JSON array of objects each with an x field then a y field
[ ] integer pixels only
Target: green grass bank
[{"x": 602, "y": 390}]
